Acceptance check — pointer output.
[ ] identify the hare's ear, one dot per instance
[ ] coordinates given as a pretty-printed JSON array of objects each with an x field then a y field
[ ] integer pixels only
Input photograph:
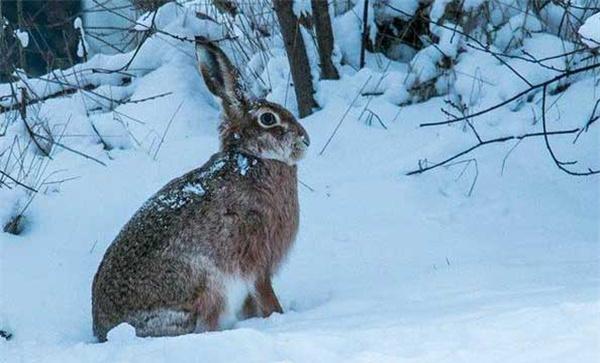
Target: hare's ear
[{"x": 220, "y": 76}]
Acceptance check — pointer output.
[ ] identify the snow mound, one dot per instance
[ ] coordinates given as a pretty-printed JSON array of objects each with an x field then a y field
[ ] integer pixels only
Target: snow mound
[
  {"x": 590, "y": 31},
  {"x": 121, "y": 333}
]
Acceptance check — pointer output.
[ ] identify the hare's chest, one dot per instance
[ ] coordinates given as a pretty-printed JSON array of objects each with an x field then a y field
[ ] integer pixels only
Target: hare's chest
[{"x": 235, "y": 290}]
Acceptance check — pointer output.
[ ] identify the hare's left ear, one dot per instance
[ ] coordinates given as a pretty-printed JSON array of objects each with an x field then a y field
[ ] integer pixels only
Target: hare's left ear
[{"x": 220, "y": 76}]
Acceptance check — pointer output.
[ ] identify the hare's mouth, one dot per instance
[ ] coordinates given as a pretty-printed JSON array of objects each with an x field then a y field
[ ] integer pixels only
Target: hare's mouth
[
  {"x": 305, "y": 140},
  {"x": 299, "y": 150}
]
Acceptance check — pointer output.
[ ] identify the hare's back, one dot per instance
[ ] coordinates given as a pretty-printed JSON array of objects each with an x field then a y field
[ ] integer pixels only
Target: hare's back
[{"x": 154, "y": 226}]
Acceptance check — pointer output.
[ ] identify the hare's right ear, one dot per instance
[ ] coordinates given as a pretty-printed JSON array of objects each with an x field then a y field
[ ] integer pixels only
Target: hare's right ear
[{"x": 220, "y": 76}]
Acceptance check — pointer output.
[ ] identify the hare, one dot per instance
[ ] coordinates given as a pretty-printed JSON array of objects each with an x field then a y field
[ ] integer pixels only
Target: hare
[{"x": 201, "y": 252}]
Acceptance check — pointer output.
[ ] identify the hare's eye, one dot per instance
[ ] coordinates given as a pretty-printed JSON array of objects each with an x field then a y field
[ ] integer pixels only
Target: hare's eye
[{"x": 267, "y": 119}]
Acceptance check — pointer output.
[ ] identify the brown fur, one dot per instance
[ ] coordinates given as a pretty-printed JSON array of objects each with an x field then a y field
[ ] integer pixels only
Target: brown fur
[{"x": 236, "y": 218}]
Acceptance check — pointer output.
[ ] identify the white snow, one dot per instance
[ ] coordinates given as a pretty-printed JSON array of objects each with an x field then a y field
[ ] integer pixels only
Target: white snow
[
  {"x": 114, "y": 15},
  {"x": 511, "y": 34},
  {"x": 82, "y": 45},
  {"x": 493, "y": 259},
  {"x": 590, "y": 31},
  {"x": 23, "y": 37},
  {"x": 450, "y": 39},
  {"x": 437, "y": 9},
  {"x": 77, "y": 23},
  {"x": 302, "y": 7},
  {"x": 347, "y": 30},
  {"x": 387, "y": 10},
  {"x": 123, "y": 333}
]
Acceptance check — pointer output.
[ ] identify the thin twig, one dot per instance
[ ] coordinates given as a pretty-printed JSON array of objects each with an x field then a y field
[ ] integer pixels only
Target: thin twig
[
  {"x": 344, "y": 116},
  {"x": 518, "y": 95},
  {"x": 71, "y": 149},
  {"x": 487, "y": 142},
  {"x": 162, "y": 139},
  {"x": 558, "y": 163}
]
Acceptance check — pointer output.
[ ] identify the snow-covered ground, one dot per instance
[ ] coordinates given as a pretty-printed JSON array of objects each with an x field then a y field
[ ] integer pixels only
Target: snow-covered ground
[{"x": 489, "y": 261}]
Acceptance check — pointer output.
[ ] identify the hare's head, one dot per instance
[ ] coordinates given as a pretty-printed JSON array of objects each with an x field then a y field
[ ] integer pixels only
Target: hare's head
[{"x": 254, "y": 126}]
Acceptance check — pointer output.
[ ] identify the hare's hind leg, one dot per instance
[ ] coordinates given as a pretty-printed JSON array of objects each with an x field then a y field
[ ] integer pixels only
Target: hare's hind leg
[
  {"x": 250, "y": 308},
  {"x": 208, "y": 305},
  {"x": 201, "y": 315},
  {"x": 163, "y": 322}
]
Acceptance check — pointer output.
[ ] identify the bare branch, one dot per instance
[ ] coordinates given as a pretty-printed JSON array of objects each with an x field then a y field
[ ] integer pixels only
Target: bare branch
[
  {"x": 516, "y": 96},
  {"x": 559, "y": 164}
]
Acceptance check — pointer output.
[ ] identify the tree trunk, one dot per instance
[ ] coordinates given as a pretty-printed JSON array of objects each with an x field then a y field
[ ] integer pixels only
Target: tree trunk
[
  {"x": 21, "y": 24},
  {"x": 320, "y": 11},
  {"x": 297, "y": 57},
  {"x": 365, "y": 34},
  {"x": 4, "y": 60}
]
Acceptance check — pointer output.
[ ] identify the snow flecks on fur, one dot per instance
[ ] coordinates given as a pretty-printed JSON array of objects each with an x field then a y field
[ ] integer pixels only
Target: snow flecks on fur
[
  {"x": 170, "y": 201},
  {"x": 177, "y": 198},
  {"x": 242, "y": 164},
  {"x": 194, "y": 188},
  {"x": 218, "y": 165}
]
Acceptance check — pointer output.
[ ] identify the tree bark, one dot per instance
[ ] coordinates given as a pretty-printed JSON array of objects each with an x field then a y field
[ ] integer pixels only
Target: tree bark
[
  {"x": 2, "y": 51},
  {"x": 297, "y": 57},
  {"x": 4, "y": 60},
  {"x": 320, "y": 11},
  {"x": 21, "y": 24},
  {"x": 365, "y": 34}
]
